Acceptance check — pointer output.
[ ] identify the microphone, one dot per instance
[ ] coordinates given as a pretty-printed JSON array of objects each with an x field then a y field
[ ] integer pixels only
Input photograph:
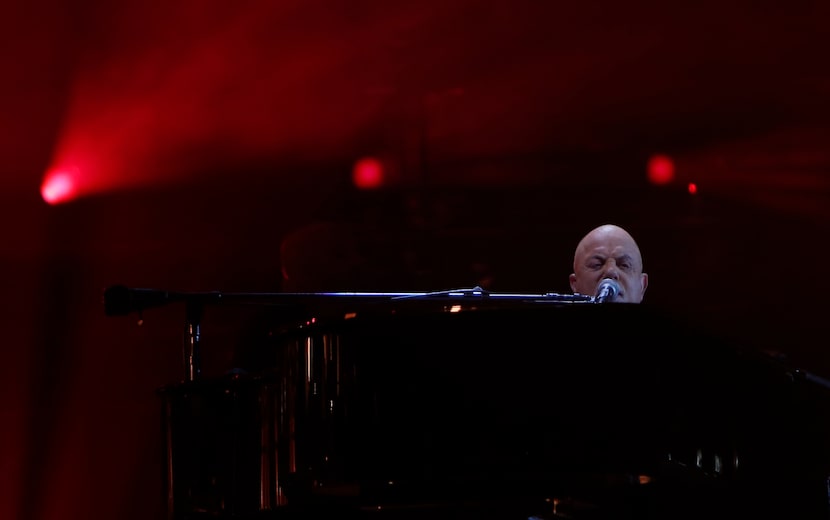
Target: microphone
[{"x": 607, "y": 291}]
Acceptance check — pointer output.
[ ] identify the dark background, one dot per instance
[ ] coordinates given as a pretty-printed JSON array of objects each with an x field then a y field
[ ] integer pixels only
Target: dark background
[{"x": 208, "y": 136}]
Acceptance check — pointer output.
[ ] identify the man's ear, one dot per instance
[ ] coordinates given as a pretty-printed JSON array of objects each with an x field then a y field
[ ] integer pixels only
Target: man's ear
[
  {"x": 645, "y": 283},
  {"x": 572, "y": 279}
]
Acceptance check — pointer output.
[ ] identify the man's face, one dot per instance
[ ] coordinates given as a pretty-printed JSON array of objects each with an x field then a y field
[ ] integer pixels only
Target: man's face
[{"x": 609, "y": 253}]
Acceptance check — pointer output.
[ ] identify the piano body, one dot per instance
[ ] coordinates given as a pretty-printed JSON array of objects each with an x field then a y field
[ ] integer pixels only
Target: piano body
[{"x": 469, "y": 404}]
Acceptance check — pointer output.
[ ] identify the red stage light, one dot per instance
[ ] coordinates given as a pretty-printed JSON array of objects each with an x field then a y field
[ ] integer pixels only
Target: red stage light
[
  {"x": 58, "y": 187},
  {"x": 368, "y": 173},
  {"x": 692, "y": 188},
  {"x": 660, "y": 169}
]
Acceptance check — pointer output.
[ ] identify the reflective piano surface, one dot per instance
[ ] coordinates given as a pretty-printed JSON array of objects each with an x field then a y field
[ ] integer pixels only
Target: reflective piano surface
[{"x": 525, "y": 410}]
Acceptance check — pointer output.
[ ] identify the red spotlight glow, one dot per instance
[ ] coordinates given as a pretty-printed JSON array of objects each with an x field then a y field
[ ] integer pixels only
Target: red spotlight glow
[
  {"x": 692, "y": 188},
  {"x": 660, "y": 169},
  {"x": 58, "y": 187},
  {"x": 368, "y": 173}
]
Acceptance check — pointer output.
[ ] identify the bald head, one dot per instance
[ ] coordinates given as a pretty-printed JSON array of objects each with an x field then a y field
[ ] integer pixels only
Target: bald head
[{"x": 609, "y": 251}]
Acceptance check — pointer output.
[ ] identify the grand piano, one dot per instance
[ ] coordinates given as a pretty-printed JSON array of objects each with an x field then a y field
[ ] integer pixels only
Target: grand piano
[{"x": 471, "y": 404}]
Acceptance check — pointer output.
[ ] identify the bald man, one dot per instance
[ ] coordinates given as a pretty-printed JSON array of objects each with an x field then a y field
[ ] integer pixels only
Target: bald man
[{"x": 608, "y": 251}]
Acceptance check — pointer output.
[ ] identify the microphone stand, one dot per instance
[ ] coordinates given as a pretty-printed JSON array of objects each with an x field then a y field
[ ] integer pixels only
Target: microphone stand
[{"x": 194, "y": 310}]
